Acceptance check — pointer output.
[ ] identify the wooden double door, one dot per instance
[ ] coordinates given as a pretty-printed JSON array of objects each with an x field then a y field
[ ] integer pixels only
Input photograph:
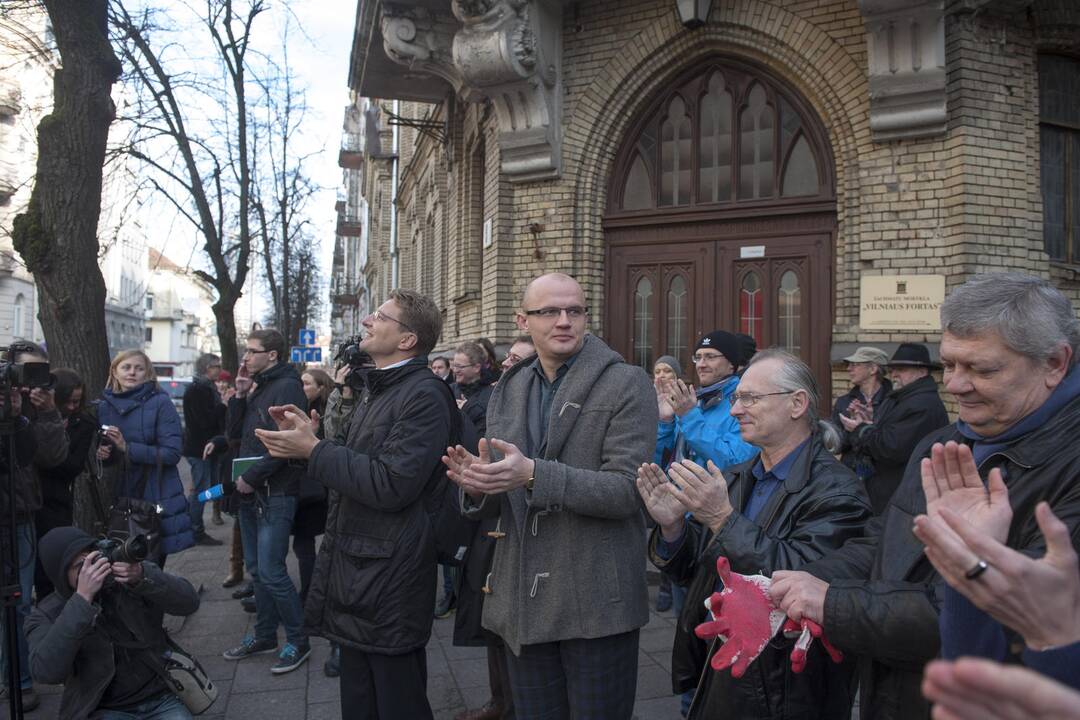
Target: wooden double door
[
  {"x": 722, "y": 215},
  {"x": 666, "y": 288}
]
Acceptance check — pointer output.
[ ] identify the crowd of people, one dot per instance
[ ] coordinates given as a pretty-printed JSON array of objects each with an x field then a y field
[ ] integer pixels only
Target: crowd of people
[{"x": 937, "y": 558}]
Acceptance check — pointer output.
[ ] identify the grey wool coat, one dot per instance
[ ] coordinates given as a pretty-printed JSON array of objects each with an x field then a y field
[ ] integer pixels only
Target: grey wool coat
[{"x": 570, "y": 565}]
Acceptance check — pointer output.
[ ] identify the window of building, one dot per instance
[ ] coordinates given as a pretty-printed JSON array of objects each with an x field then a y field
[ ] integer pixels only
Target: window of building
[
  {"x": 19, "y": 317},
  {"x": 1059, "y": 146},
  {"x": 722, "y": 137},
  {"x": 149, "y": 334}
]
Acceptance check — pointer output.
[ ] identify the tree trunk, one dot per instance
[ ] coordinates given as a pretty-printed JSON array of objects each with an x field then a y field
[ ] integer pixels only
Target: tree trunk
[
  {"x": 57, "y": 235},
  {"x": 226, "y": 331}
]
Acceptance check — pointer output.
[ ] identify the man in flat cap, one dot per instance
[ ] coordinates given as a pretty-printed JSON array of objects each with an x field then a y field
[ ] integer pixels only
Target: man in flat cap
[
  {"x": 884, "y": 437},
  {"x": 868, "y": 369}
]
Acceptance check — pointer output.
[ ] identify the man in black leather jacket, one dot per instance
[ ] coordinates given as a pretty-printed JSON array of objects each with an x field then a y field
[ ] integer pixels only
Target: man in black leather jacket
[
  {"x": 789, "y": 505},
  {"x": 373, "y": 591},
  {"x": 1009, "y": 353}
]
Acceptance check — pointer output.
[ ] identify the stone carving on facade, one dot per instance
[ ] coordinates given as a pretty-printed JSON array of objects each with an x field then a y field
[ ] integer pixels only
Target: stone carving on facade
[
  {"x": 906, "y": 58},
  {"x": 421, "y": 40},
  {"x": 504, "y": 51}
]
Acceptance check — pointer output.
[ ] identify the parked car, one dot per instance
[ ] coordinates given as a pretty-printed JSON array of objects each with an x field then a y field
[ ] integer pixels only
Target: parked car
[{"x": 176, "y": 386}]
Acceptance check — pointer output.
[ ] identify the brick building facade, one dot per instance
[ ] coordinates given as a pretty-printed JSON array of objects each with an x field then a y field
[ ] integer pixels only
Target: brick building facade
[{"x": 743, "y": 172}]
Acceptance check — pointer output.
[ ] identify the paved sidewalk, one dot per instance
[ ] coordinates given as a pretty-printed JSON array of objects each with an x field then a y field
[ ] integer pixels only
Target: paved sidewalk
[{"x": 457, "y": 677}]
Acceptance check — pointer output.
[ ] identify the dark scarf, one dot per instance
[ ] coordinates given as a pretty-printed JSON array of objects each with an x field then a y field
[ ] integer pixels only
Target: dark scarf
[{"x": 983, "y": 447}]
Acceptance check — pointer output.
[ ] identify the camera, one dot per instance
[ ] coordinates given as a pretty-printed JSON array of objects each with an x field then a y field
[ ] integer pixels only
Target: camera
[
  {"x": 349, "y": 353},
  {"x": 25, "y": 375},
  {"x": 132, "y": 550},
  {"x": 103, "y": 435}
]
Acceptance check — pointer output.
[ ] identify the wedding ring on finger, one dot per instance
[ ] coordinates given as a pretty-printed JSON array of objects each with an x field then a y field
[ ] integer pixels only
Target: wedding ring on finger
[{"x": 976, "y": 570}]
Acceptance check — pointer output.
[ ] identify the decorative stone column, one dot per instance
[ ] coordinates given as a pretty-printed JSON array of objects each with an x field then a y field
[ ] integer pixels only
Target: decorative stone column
[
  {"x": 906, "y": 56},
  {"x": 505, "y": 51}
]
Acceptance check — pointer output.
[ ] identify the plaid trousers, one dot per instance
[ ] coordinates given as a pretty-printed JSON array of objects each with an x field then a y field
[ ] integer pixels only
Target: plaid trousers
[{"x": 582, "y": 679}]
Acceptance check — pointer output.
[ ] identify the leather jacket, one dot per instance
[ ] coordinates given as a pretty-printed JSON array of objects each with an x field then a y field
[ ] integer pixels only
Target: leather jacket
[
  {"x": 819, "y": 506},
  {"x": 884, "y": 595}
]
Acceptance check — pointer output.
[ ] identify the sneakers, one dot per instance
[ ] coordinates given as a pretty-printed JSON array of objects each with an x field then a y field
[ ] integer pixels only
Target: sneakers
[
  {"x": 246, "y": 591},
  {"x": 291, "y": 657},
  {"x": 250, "y": 646},
  {"x": 445, "y": 606},
  {"x": 248, "y": 604}
]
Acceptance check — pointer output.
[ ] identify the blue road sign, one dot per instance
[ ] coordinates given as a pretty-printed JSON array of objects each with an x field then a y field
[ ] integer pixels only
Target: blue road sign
[
  {"x": 307, "y": 337},
  {"x": 296, "y": 355},
  {"x": 313, "y": 354}
]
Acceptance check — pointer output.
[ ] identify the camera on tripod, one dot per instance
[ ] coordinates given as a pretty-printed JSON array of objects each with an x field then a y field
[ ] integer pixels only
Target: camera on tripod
[{"x": 132, "y": 550}]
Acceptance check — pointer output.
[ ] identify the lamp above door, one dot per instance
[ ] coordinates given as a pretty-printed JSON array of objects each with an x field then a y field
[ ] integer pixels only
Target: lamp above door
[{"x": 693, "y": 13}]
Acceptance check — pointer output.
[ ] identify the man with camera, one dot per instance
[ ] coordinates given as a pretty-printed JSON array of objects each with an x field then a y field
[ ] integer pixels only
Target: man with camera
[
  {"x": 99, "y": 632},
  {"x": 39, "y": 442}
]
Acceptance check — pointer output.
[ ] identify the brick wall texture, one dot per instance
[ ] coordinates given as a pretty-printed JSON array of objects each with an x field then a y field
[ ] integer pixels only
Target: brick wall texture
[{"x": 960, "y": 203}]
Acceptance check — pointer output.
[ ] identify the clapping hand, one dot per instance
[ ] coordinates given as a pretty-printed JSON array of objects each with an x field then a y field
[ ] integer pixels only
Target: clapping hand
[
  {"x": 950, "y": 479},
  {"x": 295, "y": 436},
  {"x": 663, "y": 400},
  {"x": 662, "y": 505},
  {"x": 702, "y": 491},
  {"x": 1037, "y": 598},
  {"x": 479, "y": 475},
  {"x": 682, "y": 397}
]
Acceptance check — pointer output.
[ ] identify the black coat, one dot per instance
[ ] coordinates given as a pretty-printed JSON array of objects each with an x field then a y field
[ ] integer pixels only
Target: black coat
[
  {"x": 374, "y": 580},
  {"x": 840, "y": 407},
  {"x": 204, "y": 416},
  {"x": 477, "y": 397},
  {"x": 278, "y": 385},
  {"x": 820, "y": 506},
  {"x": 884, "y": 595},
  {"x": 906, "y": 417}
]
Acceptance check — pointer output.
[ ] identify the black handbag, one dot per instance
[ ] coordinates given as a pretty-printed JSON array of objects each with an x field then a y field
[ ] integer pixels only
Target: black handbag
[{"x": 131, "y": 516}]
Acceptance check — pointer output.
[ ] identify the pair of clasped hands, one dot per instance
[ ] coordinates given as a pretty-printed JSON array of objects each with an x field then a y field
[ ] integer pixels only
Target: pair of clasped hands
[{"x": 476, "y": 474}]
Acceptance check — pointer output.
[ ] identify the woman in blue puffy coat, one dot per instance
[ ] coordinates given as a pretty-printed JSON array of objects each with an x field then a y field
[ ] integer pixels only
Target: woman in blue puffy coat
[{"x": 144, "y": 433}]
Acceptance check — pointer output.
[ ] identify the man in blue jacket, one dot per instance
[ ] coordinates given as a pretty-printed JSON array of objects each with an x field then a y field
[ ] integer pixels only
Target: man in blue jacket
[
  {"x": 270, "y": 488},
  {"x": 697, "y": 424}
]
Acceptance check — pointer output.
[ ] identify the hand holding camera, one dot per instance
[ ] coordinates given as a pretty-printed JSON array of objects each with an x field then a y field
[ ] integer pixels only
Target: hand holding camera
[{"x": 95, "y": 570}]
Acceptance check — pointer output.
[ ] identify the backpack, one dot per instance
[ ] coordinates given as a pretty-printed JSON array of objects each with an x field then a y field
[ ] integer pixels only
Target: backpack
[{"x": 453, "y": 532}]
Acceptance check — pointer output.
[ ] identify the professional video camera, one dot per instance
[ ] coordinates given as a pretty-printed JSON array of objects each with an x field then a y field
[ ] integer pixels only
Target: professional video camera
[
  {"x": 132, "y": 550},
  {"x": 349, "y": 353}
]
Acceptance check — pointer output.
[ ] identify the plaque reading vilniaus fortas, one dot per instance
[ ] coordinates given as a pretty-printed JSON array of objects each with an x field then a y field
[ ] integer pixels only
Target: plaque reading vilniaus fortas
[{"x": 901, "y": 302}]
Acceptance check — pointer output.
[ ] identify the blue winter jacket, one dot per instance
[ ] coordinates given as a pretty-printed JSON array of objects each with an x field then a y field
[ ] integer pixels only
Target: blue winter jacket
[
  {"x": 151, "y": 428},
  {"x": 709, "y": 432}
]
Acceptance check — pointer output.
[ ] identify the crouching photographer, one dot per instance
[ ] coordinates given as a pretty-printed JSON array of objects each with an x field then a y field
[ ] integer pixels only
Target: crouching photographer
[{"x": 99, "y": 632}]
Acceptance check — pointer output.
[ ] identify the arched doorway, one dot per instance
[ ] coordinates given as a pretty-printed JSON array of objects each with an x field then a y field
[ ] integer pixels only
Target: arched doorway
[{"x": 721, "y": 214}]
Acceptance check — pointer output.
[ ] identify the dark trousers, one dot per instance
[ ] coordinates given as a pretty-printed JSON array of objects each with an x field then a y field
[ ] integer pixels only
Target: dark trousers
[
  {"x": 499, "y": 679},
  {"x": 303, "y": 547},
  {"x": 384, "y": 687},
  {"x": 593, "y": 679}
]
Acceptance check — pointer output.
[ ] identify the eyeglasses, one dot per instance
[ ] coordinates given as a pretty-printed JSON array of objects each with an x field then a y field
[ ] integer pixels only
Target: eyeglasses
[
  {"x": 380, "y": 315},
  {"x": 574, "y": 312},
  {"x": 253, "y": 351},
  {"x": 462, "y": 367},
  {"x": 512, "y": 358},
  {"x": 751, "y": 399},
  {"x": 711, "y": 357}
]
